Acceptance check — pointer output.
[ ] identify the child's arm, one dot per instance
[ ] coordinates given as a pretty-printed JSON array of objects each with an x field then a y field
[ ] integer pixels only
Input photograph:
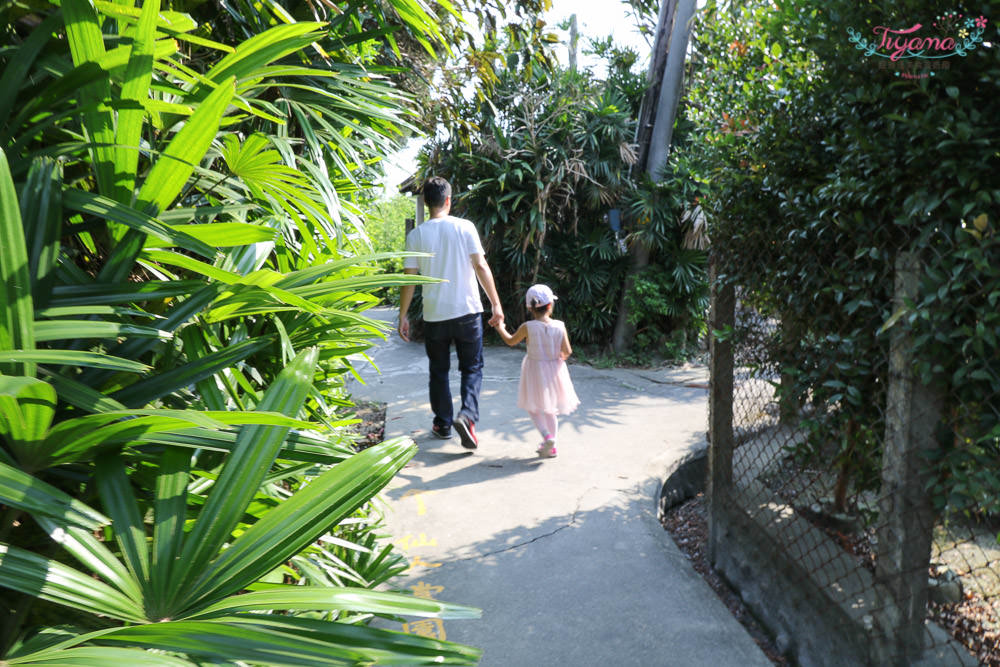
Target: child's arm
[
  {"x": 519, "y": 335},
  {"x": 565, "y": 348}
]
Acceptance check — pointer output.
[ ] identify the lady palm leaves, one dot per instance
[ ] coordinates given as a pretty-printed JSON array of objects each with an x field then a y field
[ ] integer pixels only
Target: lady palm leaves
[
  {"x": 299, "y": 598},
  {"x": 27, "y": 406},
  {"x": 71, "y": 358},
  {"x": 140, "y": 589},
  {"x": 92, "y": 656},
  {"x": 87, "y": 203},
  {"x": 86, "y": 44},
  {"x": 293, "y": 641},
  {"x": 49, "y": 330},
  {"x": 126, "y": 591},
  {"x": 159, "y": 267},
  {"x": 255, "y": 451},
  {"x": 174, "y": 166},
  {"x": 297, "y": 446},
  {"x": 40, "y": 204},
  {"x": 28, "y": 573},
  {"x": 20, "y": 63},
  {"x": 263, "y": 49},
  {"x": 21, "y": 491},
  {"x": 169, "y": 175},
  {"x": 301, "y": 519},
  {"x": 138, "y": 77},
  {"x": 15, "y": 283}
]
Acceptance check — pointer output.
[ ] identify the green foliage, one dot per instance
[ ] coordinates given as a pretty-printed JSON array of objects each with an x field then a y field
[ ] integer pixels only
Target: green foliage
[
  {"x": 957, "y": 330},
  {"x": 666, "y": 304},
  {"x": 468, "y": 61},
  {"x": 184, "y": 291},
  {"x": 385, "y": 224},
  {"x": 549, "y": 155},
  {"x": 645, "y": 15},
  {"x": 822, "y": 168},
  {"x": 623, "y": 76},
  {"x": 545, "y": 163}
]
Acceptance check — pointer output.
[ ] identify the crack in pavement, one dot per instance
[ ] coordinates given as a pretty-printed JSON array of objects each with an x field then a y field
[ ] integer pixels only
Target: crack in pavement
[
  {"x": 512, "y": 547},
  {"x": 689, "y": 382}
]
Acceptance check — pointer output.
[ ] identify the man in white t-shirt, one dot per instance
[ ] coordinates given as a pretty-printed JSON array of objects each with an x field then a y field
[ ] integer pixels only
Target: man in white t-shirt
[{"x": 453, "y": 310}]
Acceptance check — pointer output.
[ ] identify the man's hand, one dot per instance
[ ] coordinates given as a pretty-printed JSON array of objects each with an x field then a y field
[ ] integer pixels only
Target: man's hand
[
  {"x": 405, "y": 297},
  {"x": 485, "y": 276}
]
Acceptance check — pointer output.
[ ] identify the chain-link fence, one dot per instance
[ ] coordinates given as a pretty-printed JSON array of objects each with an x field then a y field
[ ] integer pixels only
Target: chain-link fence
[{"x": 855, "y": 463}]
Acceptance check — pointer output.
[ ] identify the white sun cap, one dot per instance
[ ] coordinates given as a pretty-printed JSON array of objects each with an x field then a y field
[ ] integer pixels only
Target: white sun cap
[{"x": 539, "y": 295}]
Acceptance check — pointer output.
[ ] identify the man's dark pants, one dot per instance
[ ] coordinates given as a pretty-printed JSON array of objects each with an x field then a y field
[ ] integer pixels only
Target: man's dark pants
[{"x": 466, "y": 333}]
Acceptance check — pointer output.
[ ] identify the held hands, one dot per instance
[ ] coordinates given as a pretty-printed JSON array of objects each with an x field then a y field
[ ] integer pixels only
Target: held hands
[
  {"x": 501, "y": 329},
  {"x": 497, "y": 319},
  {"x": 497, "y": 322}
]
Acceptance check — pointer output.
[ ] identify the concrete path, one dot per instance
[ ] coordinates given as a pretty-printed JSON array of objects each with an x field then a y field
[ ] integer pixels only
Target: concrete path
[{"x": 564, "y": 556}]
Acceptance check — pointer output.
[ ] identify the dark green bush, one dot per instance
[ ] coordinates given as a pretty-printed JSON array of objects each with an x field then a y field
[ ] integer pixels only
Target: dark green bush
[{"x": 822, "y": 168}]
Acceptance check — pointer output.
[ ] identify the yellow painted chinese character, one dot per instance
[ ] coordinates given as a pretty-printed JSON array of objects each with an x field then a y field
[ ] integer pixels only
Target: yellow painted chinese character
[
  {"x": 420, "y": 562},
  {"x": 424, "y": 590},
  {"x": 421, "y": 507},
  {"x": 408, "y": 542},
  {"x": 427, "y": 627}
]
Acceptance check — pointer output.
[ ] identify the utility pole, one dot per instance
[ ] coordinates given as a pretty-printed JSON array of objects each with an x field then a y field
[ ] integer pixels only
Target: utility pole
[{"x": 656, "y": 124}]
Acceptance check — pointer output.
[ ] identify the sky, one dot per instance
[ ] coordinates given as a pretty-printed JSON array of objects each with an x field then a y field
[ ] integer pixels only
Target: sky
[
  {"x": 598, "y": 18},
  {"x": 595, "y": 18}
]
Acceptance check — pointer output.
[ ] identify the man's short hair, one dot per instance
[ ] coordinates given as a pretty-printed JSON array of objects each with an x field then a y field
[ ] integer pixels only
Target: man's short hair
[{"x": 436, "y": 191}]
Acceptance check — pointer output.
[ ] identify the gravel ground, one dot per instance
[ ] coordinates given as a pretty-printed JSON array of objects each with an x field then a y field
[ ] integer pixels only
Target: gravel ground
[
  {"x": 371, "y": 428},
  {"x": 687, "y": 524},
  {"x": 973, "y": 621}
]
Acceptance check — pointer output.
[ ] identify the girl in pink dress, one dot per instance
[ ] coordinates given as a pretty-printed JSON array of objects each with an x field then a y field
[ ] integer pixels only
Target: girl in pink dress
[{"x": 545, "y": 390}]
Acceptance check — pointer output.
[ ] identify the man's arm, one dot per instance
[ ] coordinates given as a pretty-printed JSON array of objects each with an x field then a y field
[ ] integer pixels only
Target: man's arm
[
  {"x": 485, "y": 275},
  {"x": 405, "y": 297}
]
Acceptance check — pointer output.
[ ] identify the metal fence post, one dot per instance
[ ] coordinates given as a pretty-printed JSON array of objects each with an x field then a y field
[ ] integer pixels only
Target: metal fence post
[
  {"x": 913, "y": 416},
  {"x": 720, "y": 410}
]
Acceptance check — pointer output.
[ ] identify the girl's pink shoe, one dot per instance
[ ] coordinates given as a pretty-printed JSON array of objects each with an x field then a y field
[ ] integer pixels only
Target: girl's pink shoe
[{"x": 547, "y": 450}]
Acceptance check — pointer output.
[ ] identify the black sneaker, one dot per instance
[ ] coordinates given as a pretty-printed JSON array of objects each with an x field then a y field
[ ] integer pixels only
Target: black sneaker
[
  {"x": 467, "y": 431},
  {"x": 441, "y": 432}
]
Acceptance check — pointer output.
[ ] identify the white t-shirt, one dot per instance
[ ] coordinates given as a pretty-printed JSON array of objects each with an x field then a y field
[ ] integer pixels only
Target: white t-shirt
[{"x": 451, "y": 241}]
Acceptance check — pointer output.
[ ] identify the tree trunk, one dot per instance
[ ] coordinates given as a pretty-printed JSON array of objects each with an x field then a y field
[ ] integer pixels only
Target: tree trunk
[
  {"x": 654, "y": 79},
  {"x": 573, "y": 37},
  {"x": 660, "y": 104},
  {"x": 625, "y": 330}
]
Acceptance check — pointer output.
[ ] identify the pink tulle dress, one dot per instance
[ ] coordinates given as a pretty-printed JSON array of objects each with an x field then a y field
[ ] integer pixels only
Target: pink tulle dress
[{"x": 545, "y": 384}]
